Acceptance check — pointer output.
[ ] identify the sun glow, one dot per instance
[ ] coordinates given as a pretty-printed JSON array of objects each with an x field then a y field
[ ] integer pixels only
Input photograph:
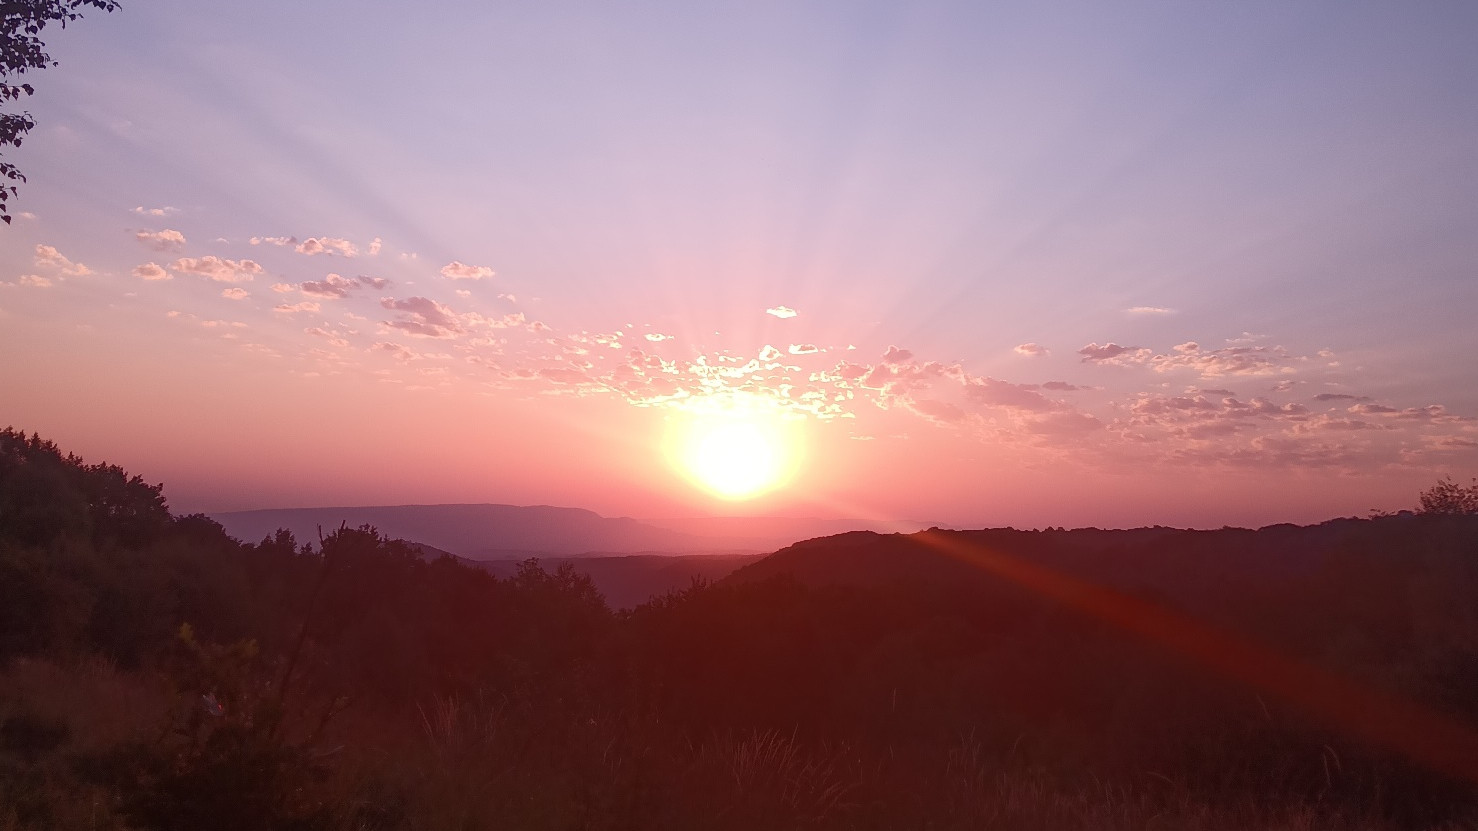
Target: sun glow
[{"x": 735, "y": 455}]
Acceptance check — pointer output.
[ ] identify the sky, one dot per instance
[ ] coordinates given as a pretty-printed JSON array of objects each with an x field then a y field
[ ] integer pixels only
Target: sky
[{"x": 978, "y": 264}]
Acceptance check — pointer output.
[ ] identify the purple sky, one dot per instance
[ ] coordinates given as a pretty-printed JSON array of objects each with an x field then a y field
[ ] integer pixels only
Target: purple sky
[{"x": 1086, "y": 263}]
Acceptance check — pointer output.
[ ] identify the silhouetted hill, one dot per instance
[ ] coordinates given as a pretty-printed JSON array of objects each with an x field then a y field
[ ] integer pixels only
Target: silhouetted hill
[
  {"x": 1251, "y": 578},
  {"x": 479, "y": 532}
]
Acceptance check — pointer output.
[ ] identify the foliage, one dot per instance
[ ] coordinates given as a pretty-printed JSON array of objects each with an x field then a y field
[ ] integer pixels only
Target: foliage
[
  {"x": 1449, "y": 498},
  {"x": 352, "y": 683},
  {"x": 21, "y": 50}
]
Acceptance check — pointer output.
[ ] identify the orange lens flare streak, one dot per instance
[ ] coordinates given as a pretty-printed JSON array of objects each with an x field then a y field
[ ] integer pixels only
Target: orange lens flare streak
[{"x": 1425, "y": 736}]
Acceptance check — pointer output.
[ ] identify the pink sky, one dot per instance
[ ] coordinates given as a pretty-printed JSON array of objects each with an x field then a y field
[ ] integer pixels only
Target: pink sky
[{"x": 1134, "y": 270}]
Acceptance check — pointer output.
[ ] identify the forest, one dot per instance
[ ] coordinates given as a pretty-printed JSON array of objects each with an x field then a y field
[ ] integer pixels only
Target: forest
[{"x": 157, "y": 674}]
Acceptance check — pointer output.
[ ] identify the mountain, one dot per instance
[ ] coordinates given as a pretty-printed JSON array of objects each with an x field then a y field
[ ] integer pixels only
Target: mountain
[
  {"x": 479, "y": 532},
  {"x": 1222, "y": 574}
]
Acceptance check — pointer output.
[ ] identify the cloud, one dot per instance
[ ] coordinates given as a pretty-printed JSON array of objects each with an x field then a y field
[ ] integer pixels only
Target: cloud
[
  {"x": 373, "y": 282},
  {"x": 333, "y": 287},
  {"x": 769, "y": 353},
  {"x": 313, "y": 246},
  {"x": 35, "y": 281},
  {"x": 283, "y": 288},
  {"x": 332, "y": 337},
  {"x": 1340, "y": 396},
  {"x": 305, "y": 306},
  {"x": 1031, "y": 350},
  {"x": 165, "y": 211},
  {"x": 781, "y": 311},
  {"x": 940, "y": 411},
  {"x": 394, "y": 350},
  {"x": 1229, "y": 360},
  {"x": 894, "y": 355},
  {"x": 374, "y": 246},
  {"x": 166, "y": 240},
  {"x": 656, "y": 337},
  {"x": 1064, "y": 424},
  {"x": 49, "y": 257},
  {"x": 563, "y": 375},
  {"x": 423, "y": 318},
  {"x": 1113, "y": 353},
  {"x": 1325, "y": 423},
  {"x": 1062, "y": 386},
  {"x": 456, "y": 270},
  {"x": 278, "y": 241},
  {"x": 803, "y": 349},
  {"x": 151, "y": 271},
  {"x": 219, "y": 269},
  {"x": 1148, "y": 310},
  {"x": 235, "y": 293}
]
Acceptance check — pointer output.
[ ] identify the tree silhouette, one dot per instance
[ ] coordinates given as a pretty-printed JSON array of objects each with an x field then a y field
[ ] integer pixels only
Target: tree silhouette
[
  {"x": 21, "y": 50},
  {"x": 1450, "y": 499}
]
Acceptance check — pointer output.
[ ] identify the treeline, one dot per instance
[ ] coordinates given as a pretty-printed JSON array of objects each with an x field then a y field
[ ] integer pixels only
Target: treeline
[{"x": 158, "y": 674}]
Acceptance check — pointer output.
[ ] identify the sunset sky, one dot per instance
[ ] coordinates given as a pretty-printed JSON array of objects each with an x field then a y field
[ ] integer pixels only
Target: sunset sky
[{"x": 1037, "y": 264}]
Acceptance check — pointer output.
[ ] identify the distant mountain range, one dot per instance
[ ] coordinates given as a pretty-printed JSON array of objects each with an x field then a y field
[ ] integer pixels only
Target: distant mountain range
[
  {"x": 511, "y": 532},
  {"x": 630, "y": 561}
]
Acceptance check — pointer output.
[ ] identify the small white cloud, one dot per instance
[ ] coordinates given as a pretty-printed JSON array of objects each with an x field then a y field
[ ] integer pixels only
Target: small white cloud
[
  {"x": 219, "y": 269},
  {"x": 33, "y": 280},
  {"x": 166, "y": 240},
  {"x": 283, "y": 288},
  {"x": 313, "y": 246},
  {"x": 781, "y": 311},
  {"x": 456, "y": 270},
  {"x": 1031, "y": 350},
  {"x": 151, "y": 271},
  {"x": 374, "y": 246},
  {"x": 803, "y": 349},
  {"x": 49, "y": 257},
  {"x": 655, "y": 337},
  {"x": 235, "y": 293},
  {"x": 305, "y": 306},
  {"x": 165, "y": 211},
  {"x": 1148, "y": 310}
]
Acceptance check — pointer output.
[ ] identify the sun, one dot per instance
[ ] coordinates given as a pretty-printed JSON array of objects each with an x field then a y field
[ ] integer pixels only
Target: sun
[{"x": 734, "y": 456}]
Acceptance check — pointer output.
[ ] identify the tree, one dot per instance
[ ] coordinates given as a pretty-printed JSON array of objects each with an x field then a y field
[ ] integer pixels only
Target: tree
[
  {"x": 21, "y": 50},
  {"x": 1449, "y": 498}
]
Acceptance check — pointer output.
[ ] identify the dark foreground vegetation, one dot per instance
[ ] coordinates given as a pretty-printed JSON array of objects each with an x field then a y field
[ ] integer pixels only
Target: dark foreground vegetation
[{"x": 155, "y": 673}]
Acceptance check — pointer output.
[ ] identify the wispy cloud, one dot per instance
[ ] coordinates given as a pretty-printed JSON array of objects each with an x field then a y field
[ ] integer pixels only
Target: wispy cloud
[
  {"x": 1031, "y": 350},
  {"x": 781, "y": 311},
  {"x": 1148, "y": 310}
]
